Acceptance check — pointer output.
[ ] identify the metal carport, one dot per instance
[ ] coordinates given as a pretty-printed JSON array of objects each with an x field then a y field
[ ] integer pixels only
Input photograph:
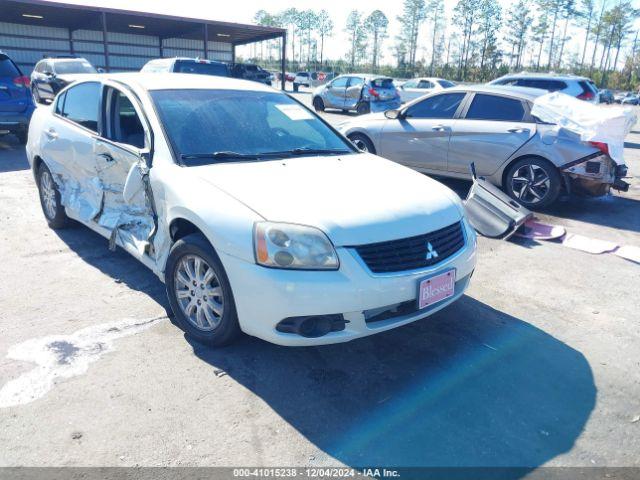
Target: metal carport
[{"x": 119, "y": 40}]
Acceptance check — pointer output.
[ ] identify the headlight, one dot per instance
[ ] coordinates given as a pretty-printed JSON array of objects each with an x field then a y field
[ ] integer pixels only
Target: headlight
[{"x": 284, "y": 245}]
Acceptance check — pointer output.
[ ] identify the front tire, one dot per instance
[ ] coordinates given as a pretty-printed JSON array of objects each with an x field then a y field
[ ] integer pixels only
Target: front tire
[
  {"x": 199, "y": 292},
  {"x": 534, "y": 182},
  {"x": 362, "y": 142},
  {"x": 318, "y": 104},
  {"x": 50, "y": 199}
]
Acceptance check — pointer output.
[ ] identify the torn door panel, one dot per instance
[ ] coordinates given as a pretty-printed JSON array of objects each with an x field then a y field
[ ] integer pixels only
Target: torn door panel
[{"x": 84, "y": 198}]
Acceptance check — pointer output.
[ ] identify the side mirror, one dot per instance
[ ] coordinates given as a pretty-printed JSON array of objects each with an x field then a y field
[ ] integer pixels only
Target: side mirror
[
  {"x": 393, "y": 114},
  {"x": 49, "y": 74},
  {"x": 100, "y": 70}
]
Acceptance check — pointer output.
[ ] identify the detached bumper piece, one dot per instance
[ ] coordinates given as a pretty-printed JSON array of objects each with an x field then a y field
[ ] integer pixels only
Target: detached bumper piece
[{"x": 491, "y": 212}]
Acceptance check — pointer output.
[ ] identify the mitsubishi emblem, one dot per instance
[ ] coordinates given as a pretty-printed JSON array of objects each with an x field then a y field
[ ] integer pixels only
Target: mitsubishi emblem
[{"x": 431, "y": 252}]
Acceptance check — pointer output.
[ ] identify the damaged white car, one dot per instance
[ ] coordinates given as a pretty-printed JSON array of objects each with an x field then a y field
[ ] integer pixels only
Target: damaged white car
[{"x": 255, "y": 213}]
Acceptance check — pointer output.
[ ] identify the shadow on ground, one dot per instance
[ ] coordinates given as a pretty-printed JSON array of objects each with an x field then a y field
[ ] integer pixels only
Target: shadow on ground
[
  {"x": 12, "y": 155},
  {"x": 119, "y": 265},
  {"x": 470, "y": 386}
]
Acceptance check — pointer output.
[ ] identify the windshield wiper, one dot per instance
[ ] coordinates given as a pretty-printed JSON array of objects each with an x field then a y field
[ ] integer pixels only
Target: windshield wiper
[
  {"x": 222, "y": 155},
  {"x": 312, "y": 151}
]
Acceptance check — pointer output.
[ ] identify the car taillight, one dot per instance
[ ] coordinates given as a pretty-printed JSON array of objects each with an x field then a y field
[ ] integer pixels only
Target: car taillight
[
  {"x": 373, "y": 92},
  {"x": 603, "y": 147},
  {"x": 586, "y": 96},
  {"x": 22, "y": 81}
]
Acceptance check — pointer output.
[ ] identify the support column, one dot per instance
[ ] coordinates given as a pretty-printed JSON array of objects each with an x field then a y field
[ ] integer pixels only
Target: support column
[
  {"x": 233, "y": 54},
  {"x": 107, "y": 65},
  {"x": 283, "y": 61},
  {"x": 206, "y": 41},
  {"x": 161, "y": 46},
  {"x": 71, "y": 49}
]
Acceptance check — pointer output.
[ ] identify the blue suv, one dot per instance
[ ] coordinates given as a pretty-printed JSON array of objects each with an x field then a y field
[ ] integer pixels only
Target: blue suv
[{"x": 16, "y": 104}]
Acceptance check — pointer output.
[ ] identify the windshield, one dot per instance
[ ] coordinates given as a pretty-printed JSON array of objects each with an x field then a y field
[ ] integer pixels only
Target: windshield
[
  {"x": 204, "y": 68},
  {"x": 80, "y": 66},
  {"x": 205, "y": 126}
]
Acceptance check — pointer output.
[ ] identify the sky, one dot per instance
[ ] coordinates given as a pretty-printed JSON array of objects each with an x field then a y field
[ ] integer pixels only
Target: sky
[{"x": 242, "y": 11}]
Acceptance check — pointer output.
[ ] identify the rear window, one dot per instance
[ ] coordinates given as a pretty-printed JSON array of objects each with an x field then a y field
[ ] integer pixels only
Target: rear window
[
  {"x": 491, "y": 107},
  {"x": 302, "y": 74},
  {"x": 8, "y": 68},
  {"x": 446, "y": 83},
  {"x": 588, "y": 86},
  {"x": 203, "y": 68},
  {"x": 382, "y": 83}
]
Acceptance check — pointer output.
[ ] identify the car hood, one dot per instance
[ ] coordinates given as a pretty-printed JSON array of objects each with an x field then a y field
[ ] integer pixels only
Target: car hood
[{"x": 355, "y": 199}]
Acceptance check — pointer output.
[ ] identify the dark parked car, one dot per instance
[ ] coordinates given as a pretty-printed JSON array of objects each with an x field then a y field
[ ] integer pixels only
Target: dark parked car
[
  {"x": 200, "y": 66},
  {"x": 50, "y": 75},
  {"x": 606, "y": 96},
  {"x": 16, "y": 105},
  {"x": 252, "y": 72}
]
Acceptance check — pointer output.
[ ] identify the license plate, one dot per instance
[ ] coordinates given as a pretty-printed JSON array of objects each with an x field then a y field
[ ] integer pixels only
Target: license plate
[{"x": 436, "y": 288}]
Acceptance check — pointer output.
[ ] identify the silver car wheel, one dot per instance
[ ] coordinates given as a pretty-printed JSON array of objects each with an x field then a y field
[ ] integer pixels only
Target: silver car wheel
[
  {"x": 530, "y": 183},
  {"x": 360, "y": 144},
  {"x": 48, "y": 195},
  {"x": 198, "y": 292}
]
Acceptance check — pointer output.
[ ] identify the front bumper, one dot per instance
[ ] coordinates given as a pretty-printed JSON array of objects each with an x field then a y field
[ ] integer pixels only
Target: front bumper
[{"x": 265, "y": 296}]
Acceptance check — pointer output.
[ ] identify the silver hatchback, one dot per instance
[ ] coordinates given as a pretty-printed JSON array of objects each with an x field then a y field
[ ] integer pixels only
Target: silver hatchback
[
  {"x": 443, "y": 133},
  {"x": 363, "y": 93}
]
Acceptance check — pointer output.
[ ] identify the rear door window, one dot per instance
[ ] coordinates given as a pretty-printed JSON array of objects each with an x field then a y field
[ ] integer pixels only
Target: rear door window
[
  {"x": 441, "y": 106},
  {"x": 492, "y": 107},
  {"x": 356, "y": 82},
  {"x": 81, "y": 105},
  {"x": 425, "y": 84}
]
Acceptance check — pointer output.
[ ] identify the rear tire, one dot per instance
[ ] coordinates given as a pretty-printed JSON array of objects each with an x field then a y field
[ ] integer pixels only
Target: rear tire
[
  {"x": 318, "y": 104},
  {"x": 363, "y": 108},
  {"x": 199, "y": 292},
  {"x": 533, "y": 182},
  {"x": 362, "y": 142},
  {"x": 296, "y": 87},
  {"x": 50, "y": 199}
]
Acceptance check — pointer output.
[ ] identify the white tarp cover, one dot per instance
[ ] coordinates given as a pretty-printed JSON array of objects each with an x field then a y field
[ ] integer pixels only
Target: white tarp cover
[{"x": 594, "y": 123}]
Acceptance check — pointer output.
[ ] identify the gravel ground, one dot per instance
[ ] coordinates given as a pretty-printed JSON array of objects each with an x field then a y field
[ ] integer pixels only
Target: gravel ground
[{"x": 536, "y": 365}]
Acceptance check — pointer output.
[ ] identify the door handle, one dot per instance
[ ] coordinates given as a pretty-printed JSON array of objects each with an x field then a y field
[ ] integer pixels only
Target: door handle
[
  {"x": 51, "y": 133},
  {"x": 518, "y": 130},
  {"x": 440, "y": 128},
  {"x": 106, "y": 157}
]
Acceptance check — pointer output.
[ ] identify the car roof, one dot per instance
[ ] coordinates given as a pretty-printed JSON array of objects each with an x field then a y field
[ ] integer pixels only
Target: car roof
[
  {"x": 521, "y": 92},
  {"x": 366, "y": 76},
  {"x": 550, "y": 76},
  {"x": 178, "y": 81}
]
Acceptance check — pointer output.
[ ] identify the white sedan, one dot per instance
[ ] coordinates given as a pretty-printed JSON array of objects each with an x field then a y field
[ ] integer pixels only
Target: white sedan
[
  {"x": 418, "y": 87},
  {"x": 257, "y": 215}
]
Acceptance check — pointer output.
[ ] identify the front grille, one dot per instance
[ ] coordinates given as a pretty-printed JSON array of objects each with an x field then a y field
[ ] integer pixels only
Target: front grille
[{"x": 413, "y": 252}]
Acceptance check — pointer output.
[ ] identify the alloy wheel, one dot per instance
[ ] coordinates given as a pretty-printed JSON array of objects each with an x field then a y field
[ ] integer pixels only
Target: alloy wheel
[
  {"x": 530, "y": 183},
  {"x": 48, "y": 195},
  {"x": 199, "y": 293},
  {"x": 360, "y": 144}
]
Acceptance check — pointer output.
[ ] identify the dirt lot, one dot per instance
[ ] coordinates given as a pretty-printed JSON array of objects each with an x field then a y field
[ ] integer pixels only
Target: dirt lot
[{"x": 537, "y": 365}]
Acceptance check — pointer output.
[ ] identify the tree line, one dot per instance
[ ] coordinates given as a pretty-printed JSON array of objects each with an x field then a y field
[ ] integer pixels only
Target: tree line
[{"x": 479, "y": 41}]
